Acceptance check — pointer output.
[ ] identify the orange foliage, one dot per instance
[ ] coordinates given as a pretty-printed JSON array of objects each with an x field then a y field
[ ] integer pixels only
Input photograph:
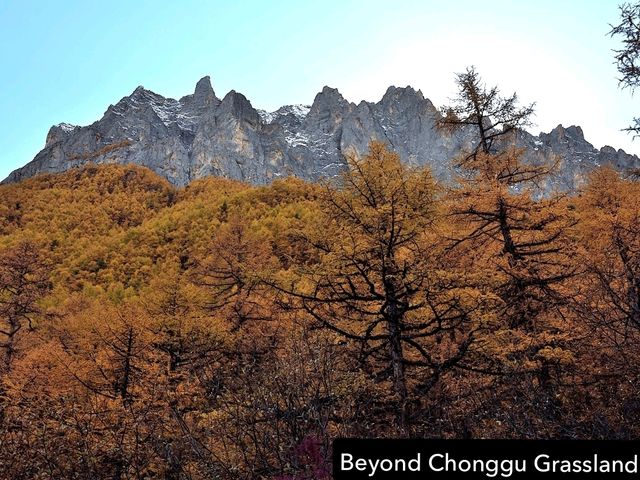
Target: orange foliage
[{"x": 217, "y": 330}]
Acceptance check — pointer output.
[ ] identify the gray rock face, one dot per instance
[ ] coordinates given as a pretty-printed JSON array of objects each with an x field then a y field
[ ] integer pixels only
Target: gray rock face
[{"x": 201, "y": 135}]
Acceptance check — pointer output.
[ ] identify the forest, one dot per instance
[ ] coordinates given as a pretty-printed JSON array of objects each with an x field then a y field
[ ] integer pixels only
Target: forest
[{"x": 232, "y": 331}]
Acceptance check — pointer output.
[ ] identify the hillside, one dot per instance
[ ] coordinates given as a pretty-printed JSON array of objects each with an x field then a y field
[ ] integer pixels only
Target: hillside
[{"x": 227, "y": 330}]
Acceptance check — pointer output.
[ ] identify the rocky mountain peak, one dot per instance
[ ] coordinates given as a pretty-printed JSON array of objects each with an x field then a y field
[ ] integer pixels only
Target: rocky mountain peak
[
  {"x": 326, "y": 90},
  {"x": 568, "y": 139},
  {"x": 201, "y": 135},
  {"x": 397, "y": 93},
  {"x": 238, "y": 106},
  {"x": 574, "y": 132},
  {"x": 59, "y": 132},
  {"x": 143, "y": 96},
  {"x": 328, "y": 99},
  {"x": 406, "y": 99},
  {"x": 204, "y": 94},
  {"x": 609, "y": 150}
]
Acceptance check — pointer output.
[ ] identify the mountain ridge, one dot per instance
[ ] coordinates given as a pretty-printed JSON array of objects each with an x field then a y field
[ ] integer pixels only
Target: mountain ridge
[{"x": 200, "y": 135}]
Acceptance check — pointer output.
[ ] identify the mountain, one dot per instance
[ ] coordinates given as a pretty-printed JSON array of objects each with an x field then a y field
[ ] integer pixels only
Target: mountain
[{"x": 200, "y": 135}]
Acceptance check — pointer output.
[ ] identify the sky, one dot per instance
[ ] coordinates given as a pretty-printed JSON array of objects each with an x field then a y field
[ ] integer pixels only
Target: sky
[{"x": 68, "y": 60}]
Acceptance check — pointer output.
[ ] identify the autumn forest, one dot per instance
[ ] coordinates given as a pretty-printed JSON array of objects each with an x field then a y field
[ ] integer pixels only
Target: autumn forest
[{"x": 232, "y": 331}]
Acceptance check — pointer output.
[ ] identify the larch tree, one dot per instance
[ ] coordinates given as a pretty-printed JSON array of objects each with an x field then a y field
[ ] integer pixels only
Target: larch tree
[
  {"x": 627, "y": 58},
  {"x": 125, "y": 395},
  {"x": 23, "y": 282},
  {"x": 522, "y": 243},
  {"x": 524, "y": 236},
  {"x": 610, "y": 240},
  {"x": 378, "y": 285},
  {"x": 608, "y": 302},
  {"x": 498, "y": 200},
  {"x": 232, "y": 273},
  {"x": 483, "y": 109},
  {"x": 189, "y": 339}
]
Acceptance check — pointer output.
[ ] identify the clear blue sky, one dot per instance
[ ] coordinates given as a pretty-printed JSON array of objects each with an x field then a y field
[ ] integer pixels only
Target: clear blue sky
[{"x": 67, "y": 60}]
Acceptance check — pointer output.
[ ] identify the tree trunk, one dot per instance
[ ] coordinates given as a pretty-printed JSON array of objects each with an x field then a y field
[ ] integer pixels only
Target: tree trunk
[
  {"x": 126, "y": 370},
  {"x": 509, "y": 246},
  {"x": 9, "y": 345},
  {"x": 394, "y": 313}
]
